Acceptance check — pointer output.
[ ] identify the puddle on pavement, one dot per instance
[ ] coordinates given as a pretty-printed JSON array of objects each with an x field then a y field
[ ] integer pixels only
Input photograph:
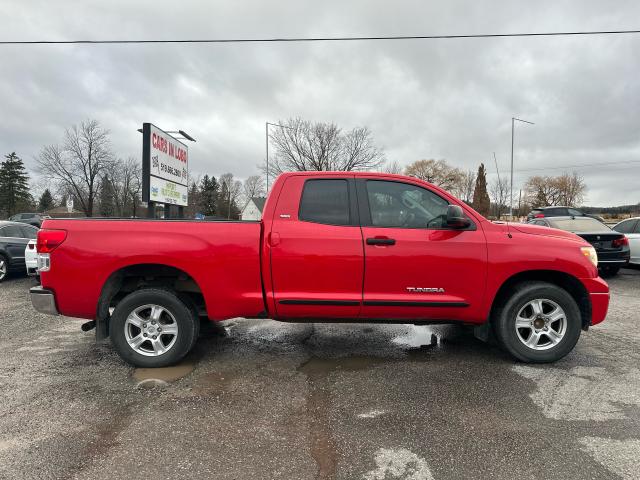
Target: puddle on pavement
[
  {"x": 158, "y": 377},
  {"x": 417, "y": 337}
]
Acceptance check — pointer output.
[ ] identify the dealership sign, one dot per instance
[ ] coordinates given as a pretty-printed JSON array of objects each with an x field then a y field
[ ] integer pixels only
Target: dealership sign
[{"x": 165, "y": 167}]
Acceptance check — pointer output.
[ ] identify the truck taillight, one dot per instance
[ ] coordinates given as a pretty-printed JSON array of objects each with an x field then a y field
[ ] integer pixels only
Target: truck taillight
[
  {"x": 619, "y": 242},
  {"x": 49, "y": 240}
]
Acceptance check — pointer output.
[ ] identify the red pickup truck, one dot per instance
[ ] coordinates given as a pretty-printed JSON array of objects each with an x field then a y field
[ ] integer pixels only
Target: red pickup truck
[{"x": 332, "y": 246}]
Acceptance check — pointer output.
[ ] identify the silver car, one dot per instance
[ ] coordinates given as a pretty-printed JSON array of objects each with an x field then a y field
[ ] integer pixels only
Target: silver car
[{"x": 631, "y": 230}]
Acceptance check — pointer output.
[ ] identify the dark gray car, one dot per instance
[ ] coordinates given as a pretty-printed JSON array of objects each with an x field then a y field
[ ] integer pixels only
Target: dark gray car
[
  {"x": 14, "y": 237},
  {"x": 34, "y": 219}
]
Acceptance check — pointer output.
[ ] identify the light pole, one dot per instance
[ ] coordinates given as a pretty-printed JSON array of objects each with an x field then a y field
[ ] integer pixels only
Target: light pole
[
  {"x": 513, "y": 120},
  {"x": 266, "y": 131}
]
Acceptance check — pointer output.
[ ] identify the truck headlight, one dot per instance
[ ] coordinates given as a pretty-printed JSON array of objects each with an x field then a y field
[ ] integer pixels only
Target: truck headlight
[{"x": 591, "y": 254}]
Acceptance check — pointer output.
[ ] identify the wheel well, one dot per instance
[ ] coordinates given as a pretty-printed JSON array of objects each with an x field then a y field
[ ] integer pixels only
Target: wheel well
[
  {"x": 134, "y": 277},
  {"x": 568, "y": 282}
]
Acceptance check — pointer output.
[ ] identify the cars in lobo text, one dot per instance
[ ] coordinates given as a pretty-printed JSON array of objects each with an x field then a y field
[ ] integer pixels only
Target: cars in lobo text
[
  {"x": 364, "y": 247},
  {"x": 14, "y": 238},
  {"x": 612, "y": 247}
]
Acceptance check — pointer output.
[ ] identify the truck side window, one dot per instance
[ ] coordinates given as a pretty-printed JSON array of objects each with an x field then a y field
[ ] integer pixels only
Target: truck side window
[
  {"x": 325, "y": 201},
  {"x": 402, "y": 205}
]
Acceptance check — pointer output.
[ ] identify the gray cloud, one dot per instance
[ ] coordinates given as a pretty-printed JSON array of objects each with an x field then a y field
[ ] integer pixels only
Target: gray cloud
[{"x": 449, "y": 99}]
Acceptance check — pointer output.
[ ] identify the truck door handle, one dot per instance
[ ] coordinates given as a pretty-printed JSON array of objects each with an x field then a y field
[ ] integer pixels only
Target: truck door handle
[{"x": 381, "y": 241}]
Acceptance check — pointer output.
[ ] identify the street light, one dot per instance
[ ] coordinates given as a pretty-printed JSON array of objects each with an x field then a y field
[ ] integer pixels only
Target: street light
[
  {"x": 185, "y": 135},
  {"x": 513, "y": 119},
  {"x": 266, "y": 130}
]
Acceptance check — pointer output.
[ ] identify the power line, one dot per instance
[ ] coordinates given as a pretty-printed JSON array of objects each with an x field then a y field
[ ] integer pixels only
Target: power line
[
  {"x": 578, "y": 166},
  {"x": 319, "y": 39}
]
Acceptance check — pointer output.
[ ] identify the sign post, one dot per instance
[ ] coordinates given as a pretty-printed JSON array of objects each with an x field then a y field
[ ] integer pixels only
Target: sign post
[{"x": 165, "y": 171}]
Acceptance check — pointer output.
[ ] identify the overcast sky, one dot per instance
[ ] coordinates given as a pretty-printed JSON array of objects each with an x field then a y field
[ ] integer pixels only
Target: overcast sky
[{"x": 450, "y": 99}]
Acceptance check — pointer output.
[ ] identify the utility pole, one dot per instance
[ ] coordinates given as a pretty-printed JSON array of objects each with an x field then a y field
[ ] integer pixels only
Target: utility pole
[{"x": 513, "y": 120}]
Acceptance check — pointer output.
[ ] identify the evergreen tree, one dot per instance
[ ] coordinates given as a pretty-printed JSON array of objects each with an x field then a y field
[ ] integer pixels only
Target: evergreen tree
[
  {"x": 481, "y": 201},
  {"x": 107, "y": 200},
  {"x": 14, "y": 186},
  {"x": 540, "y": 199},
  {"x": 209, "y": 195},
  {"x": 46, "y": 201}
]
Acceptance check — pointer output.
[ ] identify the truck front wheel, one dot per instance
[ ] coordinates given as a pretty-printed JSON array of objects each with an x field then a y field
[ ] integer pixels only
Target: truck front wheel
[
  {"x": 152, "y": 328},
  {"x": 539, "y": 323}
]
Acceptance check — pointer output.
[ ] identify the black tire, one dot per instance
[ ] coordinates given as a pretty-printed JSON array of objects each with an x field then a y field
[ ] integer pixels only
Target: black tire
[
  {"x": 184, "y": 317},
  {"x": 504, "y": 319},
  {"x": 5, "y": 272},
  {"x": 609, "y": 271},
  {"x": 184, "y": 298}
]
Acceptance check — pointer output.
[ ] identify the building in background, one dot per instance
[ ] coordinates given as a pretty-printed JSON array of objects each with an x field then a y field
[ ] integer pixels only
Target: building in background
[{"x": 253, "y": 210}]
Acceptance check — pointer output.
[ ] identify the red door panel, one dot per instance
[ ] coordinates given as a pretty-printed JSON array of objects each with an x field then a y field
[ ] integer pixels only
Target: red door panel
[
  {"x": 317, "y": 269},
  {"x": 415, "y": 267},
  {"x": 425, "y": 274}
]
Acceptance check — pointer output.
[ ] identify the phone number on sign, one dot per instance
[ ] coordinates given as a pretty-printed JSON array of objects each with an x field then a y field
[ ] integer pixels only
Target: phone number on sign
[{"x": 170, "y": 170}]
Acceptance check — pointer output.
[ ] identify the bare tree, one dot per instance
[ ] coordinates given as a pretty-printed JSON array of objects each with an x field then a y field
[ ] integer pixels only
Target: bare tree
[
  {"x": 566, "y": 189},
  {"x": 392, "y": 167},
  {"x": 126, "y": 179},
  {"x": 464, "y": 189},
  {"x": 230, "y": 192},
  {"x": 301, "y": 145},
  {"x": 252, "y": 187},
  {"x": 499, "y": 194},
  {"x": 437, "y": 172},
  {"x": 78, "y": 164}
]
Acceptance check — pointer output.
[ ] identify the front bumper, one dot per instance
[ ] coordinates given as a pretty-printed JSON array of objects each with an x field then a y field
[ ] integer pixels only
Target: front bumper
[
  {"x": 599, "y": 296},
  {"x": 43, "y": 300}
]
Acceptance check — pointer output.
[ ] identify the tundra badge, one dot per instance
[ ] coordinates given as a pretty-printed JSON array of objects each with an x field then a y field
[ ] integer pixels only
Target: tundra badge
[{"x": 425, "y": 289}]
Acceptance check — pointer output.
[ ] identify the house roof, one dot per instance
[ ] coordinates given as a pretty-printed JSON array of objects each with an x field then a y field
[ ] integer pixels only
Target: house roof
[{"x": 259, "y": 202}]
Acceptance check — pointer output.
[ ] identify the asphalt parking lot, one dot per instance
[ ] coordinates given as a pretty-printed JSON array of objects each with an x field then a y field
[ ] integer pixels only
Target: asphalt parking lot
[{"x": 306, "y": 401}]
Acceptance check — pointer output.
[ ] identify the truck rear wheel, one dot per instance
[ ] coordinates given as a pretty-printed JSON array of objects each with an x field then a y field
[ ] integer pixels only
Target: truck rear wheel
[
  {"x": 539, "y": 323},
  {"x": 152, "y": 328}
]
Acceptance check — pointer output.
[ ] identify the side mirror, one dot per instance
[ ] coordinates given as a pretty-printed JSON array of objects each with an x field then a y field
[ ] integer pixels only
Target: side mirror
[{"x": 456, "y": 218}]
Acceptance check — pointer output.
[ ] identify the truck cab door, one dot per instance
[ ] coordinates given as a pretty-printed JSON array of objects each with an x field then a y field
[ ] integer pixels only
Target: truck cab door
[
  {"x": 415, "y": 266},
  {"x": 316, "y": 250}
]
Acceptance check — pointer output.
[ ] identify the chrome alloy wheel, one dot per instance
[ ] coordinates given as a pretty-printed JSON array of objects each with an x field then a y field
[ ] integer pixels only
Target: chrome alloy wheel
[
  {"x": 3, "y": 268},
  {"x": 541, "y": 324},
  {"x": 151, "y": 330}
]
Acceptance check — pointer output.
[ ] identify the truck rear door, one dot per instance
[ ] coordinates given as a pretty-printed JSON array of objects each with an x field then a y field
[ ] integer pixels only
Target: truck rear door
[
  {"x": 316, "y": 249},
  {"x": 415, "y": 266}
]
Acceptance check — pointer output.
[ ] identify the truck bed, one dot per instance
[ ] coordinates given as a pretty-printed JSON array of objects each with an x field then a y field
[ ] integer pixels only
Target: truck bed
[{"x": 222, "y": 257}]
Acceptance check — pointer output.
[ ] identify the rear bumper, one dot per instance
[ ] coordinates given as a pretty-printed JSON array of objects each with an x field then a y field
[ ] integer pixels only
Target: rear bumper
[{"x": 44, "y": 301}]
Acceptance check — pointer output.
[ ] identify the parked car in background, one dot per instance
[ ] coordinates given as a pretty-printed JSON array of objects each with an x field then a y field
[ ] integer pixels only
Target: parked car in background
[
  {"x": 34, "y": 219},
  {"x": 631, "y": 229},
  {"x": 14, "y": 237},
  {"x": 543, "y": 212},
  {"x": 31, "y": 258},
  {"x": 612, "y": 247}
]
